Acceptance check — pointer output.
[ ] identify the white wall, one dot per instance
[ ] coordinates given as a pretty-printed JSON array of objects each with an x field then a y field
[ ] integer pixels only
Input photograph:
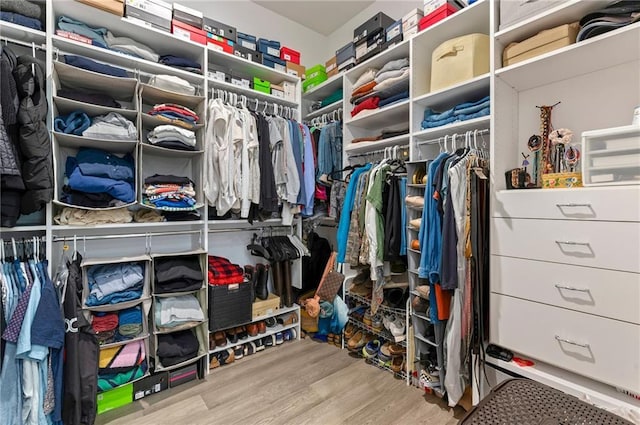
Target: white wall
[
  {"x": 395, "y": 9},
  {"x": 248, "y": 17}
]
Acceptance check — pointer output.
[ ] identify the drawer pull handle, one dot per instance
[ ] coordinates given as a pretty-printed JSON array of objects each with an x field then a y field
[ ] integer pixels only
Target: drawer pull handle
[
  {"x": 573, "y": 205},
  {"x": 571, "y": 288},
  {"x": 568, "y": 341},
  {"x": 572, "y": 243}
]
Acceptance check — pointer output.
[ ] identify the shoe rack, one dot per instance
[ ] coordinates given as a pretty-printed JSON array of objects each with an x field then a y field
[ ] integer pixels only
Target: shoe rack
[
  {"x": 427, "y": 336},
  {"x": 276, "y": 325}
]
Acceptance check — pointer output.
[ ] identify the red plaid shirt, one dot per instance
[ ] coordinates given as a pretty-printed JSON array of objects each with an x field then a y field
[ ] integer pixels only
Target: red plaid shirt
[{"x": 224, "y": 272}]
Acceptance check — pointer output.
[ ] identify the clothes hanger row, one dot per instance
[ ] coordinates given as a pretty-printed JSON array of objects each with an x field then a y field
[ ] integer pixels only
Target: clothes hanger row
[
  {"x": 447, "y": 143},
  {"x": 32, "y": 248},
  {"x": 327, "y": 118},
  {"x": 243, "y": 101},
  {"x": 391, "y": 153}
]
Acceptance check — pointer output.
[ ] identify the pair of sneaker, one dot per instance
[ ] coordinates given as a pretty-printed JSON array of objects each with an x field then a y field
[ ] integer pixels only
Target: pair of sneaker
[{"x": 395, "y": 325}]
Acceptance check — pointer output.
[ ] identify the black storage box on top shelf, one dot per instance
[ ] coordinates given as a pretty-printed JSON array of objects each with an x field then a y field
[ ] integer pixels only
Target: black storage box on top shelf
[
  {"x": 248, "y": 54},
  {"x": 379, "y": 20},
  {"x": 188, "y": 15},
  {"x": 373, "y": 51},
  {"x": 346, "y": 55},
  {"x": 220, "y": 29},
  {"x": 391, "y": 43},
  {"x": 230, "y": 305}
]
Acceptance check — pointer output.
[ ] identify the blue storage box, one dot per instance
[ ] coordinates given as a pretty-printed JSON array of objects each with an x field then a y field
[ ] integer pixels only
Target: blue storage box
[
  {"x": 247, "y": 41},
  {"x": 269, "y": 47},
  {"x": 274, "y": 62},
  {"x": 394, "y": 30}
]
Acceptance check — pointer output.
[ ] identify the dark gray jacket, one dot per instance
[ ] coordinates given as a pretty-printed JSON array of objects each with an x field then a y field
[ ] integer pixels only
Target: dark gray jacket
[{"x": 35, "y": 145}]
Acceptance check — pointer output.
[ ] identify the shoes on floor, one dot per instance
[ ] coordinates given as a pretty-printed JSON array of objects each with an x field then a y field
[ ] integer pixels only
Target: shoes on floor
[
  {"x": 429, "y": 380},
  {"x": 238, "y": 351},
  {"x": 396, "y": 350},
  {"x": 279, "y": 338},
  {"x": 249, "y": 348},
  {"x": 371, "y": 349},
  {"x": 384, "y": 355},
  {"x": 259, "y": 345},
  {"x": 269, "y": 341},
  {"x": 349, "y": 330},
  {"x": 397, "y": 364}
]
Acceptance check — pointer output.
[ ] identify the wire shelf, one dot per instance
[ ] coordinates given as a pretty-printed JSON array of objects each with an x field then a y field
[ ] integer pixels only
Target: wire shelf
[
  {"x": 382, "y": 334},
  {"x": 384, "y": 308}
]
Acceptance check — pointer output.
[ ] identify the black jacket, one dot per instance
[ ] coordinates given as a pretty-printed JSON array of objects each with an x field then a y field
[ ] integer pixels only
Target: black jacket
[{"x": 35, "y": 145}]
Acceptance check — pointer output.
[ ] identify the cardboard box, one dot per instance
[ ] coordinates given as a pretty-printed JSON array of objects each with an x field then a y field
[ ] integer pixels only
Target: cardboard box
[
  {"x": 290, "y": 55},
  {"x": 268, "y": 306},
  {"x": 289, "y": 90},
  {"x": 331, "y": 65},
  {"x": 543, "y": 42},
  {"x": 220, "y": 44},
  {"x": 152, "y": 384},
  {"x": 188, "y": 15},
  {"x": 373, "y": 24},
  {"x": 183, "y": 375},
  {"x": 296, "y": 70},
  {"x": 220, "y": 29},
  {"x": 117, "y": 397},
  {"x": 248, "y": 54},
  {"x": 187, "y": 32},
  {"x": 149, "y": 13},
  {"x": 112, "y": 6}
]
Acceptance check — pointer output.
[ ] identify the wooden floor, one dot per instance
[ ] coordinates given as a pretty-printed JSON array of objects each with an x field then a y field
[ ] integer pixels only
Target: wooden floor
[{"x": 300, "y": 382}]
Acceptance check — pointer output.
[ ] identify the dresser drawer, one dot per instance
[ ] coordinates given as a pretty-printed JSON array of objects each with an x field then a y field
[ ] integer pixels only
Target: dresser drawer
[
  {"x": 609, "y": 245},
  {"x": 603, "y": 204},
  {"x": 602, "y": 349},
  {"x": 606, "y": 293}
]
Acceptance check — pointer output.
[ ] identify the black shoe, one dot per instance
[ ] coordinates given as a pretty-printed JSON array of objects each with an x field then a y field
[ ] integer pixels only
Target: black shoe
[
  {"x": 261, "y": 280},
  {"x": 232, "y": 335},
  {"x": 271, "y": 322},
  {"x": 259, "y": 345},
  {"x": 269, "y": 341}
]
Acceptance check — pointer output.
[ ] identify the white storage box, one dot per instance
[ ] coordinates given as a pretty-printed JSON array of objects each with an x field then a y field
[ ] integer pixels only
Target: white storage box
[
  {"x": 611, "y": 156},
  {"x": 514, "y": 11},
  {"x": 459, "y": 59}
]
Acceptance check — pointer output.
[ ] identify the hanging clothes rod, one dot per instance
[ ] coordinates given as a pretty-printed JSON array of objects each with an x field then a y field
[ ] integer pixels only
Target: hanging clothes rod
[
  {"x": 404, "y": 149},
  {"x": 453, "y": 136},
  {"x": 31, "y": 45},
  {"x": 124, "y": 236},
  {"x": 232, "y": 98}
]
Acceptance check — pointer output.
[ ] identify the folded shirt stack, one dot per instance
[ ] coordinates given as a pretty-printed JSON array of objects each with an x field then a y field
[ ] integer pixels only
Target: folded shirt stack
[
  {"x": 385, "y": 134},
  {"x": 363, "y": 88},
  {"x": 615, "y": 15},
  {"x": 177, "y": 312},
  {"x": 378, "y": 88},
  {"x": 177, "y": 347},
  {"x": 224, "y": 272},
  {"x": 129, "y": 323},
  {"x": 114, "y": 283},
  {"x": 179, "y": 62},
  {"x": 21, "y": 12},
  {"x": 175, "y": 114},
  {"x": 172, "y": 83},
  {"x": 462, "y": 112},
  {"x": 105, "y": 325},
  {"x": 100, "y": 99},
  {"x": 111, "y": 126},
  {"x": 177, "y": 274},
  {"x": 170, "y": 193},
  {"x": 99, "y": 179},
  {"x": 173, "y": 137},
  {"x": 120, "y": 365}
]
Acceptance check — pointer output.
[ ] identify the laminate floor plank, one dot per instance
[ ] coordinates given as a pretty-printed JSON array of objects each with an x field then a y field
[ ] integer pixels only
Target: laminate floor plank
[{"x": 297, "y": 383}]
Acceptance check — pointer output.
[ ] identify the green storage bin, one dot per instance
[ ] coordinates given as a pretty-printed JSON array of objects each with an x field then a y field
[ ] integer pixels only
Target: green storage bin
[
  {"x": 115, "y": 398},
  {"x": 310, "y": 83},
  {"x": 315, "y": 68},
  {"x": 261, "y": 85}
]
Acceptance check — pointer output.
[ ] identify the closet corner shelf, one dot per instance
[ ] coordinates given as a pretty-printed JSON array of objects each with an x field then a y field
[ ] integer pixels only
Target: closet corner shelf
[
  {"x": 243, "y": 224},
  {"x": 169, "y": 152},
  {"x": 378, "y": 118},
  {"x": 325, "y": 89},
  {"x": 399, "y": 51},
  {"x": 270, "y": 331},
  {"x": 250, "y": 93},
  {"x": 76, "y": 142},
  {"x": 18, "y": 32},
  {"x": 243, "y": 66},
  {"x": 421, "y": 317},
  {"x": 121, "y": 59},
  {"x": 575, "y": 60},
  {"x": 457, "y": 127},
  {"x": 449, "y": 97},
  {"x": 567, "y": 11},
  {"x": 364, "y": 147},
  {"x": 23, "y": 229},
  {"x": 324, "y": 110}
]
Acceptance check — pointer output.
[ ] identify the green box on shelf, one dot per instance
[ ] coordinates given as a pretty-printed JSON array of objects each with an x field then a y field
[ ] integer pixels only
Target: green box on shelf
[
  {"x": 117, "y": 397},
  {"x": 261, "y": 85},
  {"x": 316, "y": 68},
  {"x": 310, "y": 83}
]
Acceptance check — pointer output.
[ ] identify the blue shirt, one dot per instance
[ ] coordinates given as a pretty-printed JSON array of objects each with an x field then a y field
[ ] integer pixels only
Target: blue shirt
[{"x": 345, "y": 216}]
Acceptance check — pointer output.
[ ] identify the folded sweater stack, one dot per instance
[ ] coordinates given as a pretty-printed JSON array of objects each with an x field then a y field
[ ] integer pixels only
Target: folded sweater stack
[
  {"x": 114, "y": 283},
  {"x": 175, "y": 114},
  {"x": 177, "y": 274},
  {"x": 111, "y": 126},
  {"x": 177, "y": 312},
  {"x": 170, "y": 193},
  {"x": 172, "y": 137},
  {"x": 21, "y": 12},
  {"x": 224, "y": 272},
  {"x": 378, "y": 88}
]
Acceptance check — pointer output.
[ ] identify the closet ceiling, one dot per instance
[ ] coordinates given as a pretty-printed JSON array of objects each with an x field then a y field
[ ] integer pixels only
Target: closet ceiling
[{"x": 323, "y": 17}]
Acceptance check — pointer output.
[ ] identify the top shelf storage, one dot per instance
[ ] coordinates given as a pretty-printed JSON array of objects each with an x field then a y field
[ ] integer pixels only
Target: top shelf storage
[
  {"x": 399, "y": 51},
  {"x": 246, "y": 67},
  {"x": 566, "y": 12}
]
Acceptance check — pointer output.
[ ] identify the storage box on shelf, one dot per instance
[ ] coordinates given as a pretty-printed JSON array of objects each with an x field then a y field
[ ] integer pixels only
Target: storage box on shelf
[{"x": 611, "y": 156}]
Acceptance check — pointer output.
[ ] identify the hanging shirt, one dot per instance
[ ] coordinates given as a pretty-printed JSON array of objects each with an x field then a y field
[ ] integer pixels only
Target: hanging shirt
[
  {"x": 309, "y": 172},
  {"x": 343, "y": 227}
]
